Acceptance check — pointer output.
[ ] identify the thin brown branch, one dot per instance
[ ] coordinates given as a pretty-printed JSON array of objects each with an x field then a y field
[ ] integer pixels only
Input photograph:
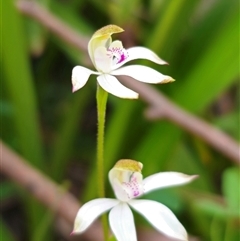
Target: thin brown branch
[
  {"x": 43, "y": 189},
  {"x": 35, "y": 11},
  {"x": 50, "y": 194},
  {"x": 160, "y": 106}
]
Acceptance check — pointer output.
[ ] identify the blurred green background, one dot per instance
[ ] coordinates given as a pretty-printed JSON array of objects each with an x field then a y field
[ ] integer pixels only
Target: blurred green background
[{"x": 55, "y": 130}]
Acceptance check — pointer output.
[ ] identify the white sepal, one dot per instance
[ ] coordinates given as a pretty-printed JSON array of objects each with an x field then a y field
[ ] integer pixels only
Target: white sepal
[
  {"x": 166, "y": 179},
  {"x": 143, "y": 73},
  {"x": 160, "y": 217},
  {"x": 90, "y": 211},
  {"x": 80, "y": 76},
  {"x": 122, "y": 223},
  {"x": 113, "y": 86}
]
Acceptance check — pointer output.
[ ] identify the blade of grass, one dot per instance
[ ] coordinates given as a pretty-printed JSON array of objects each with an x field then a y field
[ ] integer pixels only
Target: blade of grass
[
  {"x": 67, "y": 133},
  {"x": 175, "y": 14},
  {"x": 124, "y": 12},
  {"x": 204, "y": 78},
  {"x": 45, "y": 223},
  {"x": 230, "y": 186},
  {"x": 19, "y": 85},
  {"x": 202, "y": 33},
  {"x": 22, "y": 96},
  {"x": 6, "y": 234},
  {"x": 68, "y": 128},
  {"x": 72, "y": 17},
  {"x": 69, "y": 15},
  {"x": 186, "y": 156},
  {"x": 36, "y": 33},
  {"x": 211, "y": 75}
]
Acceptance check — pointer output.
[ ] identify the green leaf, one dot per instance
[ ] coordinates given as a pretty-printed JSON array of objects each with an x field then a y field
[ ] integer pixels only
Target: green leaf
[
  {"x": 230, "y": 124},
  {"x": 168, "y": 197},
  {"x": 201, "y": 85},
  {"x": 184, "y": 156},
  {"x": 71, "y": 17},
  {"x": 231, "y": 182},
  {"x": 171, "y": 19},
  {"x": 21, "y": 92},
  {"x": 37, "y": 35},
  {"x": 41, "y": 232},
  {"x": 6, "y": 234},
  {"x": 206, "y": 75},
  {"x": 157, "y": 146},
  {"x": 67, "y": 133},
  {"x": 7, "y": 190},
  {"x": 212, "y": 208},
  {"x": 123, "y": 12},
  {"x": 20, "y": 86}
]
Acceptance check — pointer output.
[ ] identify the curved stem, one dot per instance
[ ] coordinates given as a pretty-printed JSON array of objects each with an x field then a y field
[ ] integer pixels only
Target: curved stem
[{"x": 101, "y": 113}]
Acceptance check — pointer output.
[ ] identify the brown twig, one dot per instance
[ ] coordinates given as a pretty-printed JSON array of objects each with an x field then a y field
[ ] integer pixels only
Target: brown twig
[
  {"x": 37, "y": 12},
  {"x": 43, "y": 189},
  {"x": 50, "y": 194},
  {"x": 160, "y": 106}
]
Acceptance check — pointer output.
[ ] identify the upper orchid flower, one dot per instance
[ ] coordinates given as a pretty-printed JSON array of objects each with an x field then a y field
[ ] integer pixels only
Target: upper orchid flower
[
  {"x": 127, "y": 183},
  {"x": 107, "y": 57}
]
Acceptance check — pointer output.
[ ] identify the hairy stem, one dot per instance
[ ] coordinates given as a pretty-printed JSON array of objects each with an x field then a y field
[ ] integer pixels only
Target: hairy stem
[{"x": 101, "y": 113}]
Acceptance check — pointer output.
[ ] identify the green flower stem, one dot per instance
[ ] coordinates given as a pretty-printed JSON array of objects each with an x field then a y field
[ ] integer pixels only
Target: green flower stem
[{"x": 101, "y": 112}]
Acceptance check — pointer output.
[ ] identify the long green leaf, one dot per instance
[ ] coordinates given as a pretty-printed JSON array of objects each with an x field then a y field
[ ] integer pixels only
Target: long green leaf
[
  {"x": 67, "y": 133},
  {"x": 69, "y": 128},
  {"x": 171, "y": 21},
  {"x": 37, "y": 35},
  {"x": 231, "y": 180},
  {"x": 6, "y": 234},
  {"x": 20, "y": 85},
  {"x": 211, "y": 75}
]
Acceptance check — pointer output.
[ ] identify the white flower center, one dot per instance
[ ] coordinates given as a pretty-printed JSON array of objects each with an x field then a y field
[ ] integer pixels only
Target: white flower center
[{"x": 126, "y": 180}]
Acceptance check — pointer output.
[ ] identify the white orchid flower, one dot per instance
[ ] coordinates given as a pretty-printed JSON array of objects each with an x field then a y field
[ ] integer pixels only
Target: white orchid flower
[
  {"x": 127, "y": 183},
  {"x": 107, "y": 57}
]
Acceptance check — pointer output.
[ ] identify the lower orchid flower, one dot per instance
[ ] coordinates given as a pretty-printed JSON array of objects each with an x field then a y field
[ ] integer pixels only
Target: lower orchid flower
[
  {"x": 127, "y": 182},
  {"x": 107, "y": 57}
]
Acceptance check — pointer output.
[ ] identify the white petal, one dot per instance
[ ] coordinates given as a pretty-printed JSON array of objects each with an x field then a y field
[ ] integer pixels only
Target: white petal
[
  {"x": 103, "y": 62},
  {"x": 160, "y": 217},
  {"x": 141, "y": 53},
  {"x": 113, "y": 86},
  {"x": 116, "y": 44},
  {"x": 122, "y": 223},
  {"x": 80, "y": 77},
  {"x": 143, "y": 74},
  {"x": 165, "y": 179},
  {"x": 119, "y": 191},
  {"x": 96, "y": 42},
  {"x": 90, "y": 211}
]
